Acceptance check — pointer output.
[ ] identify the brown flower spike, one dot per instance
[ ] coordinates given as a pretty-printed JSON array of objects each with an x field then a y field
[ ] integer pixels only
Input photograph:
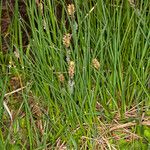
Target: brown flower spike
[
  {"x": 17, "y": 55},
  {"x": 95, "y": 63},
  {"x": 61, "y": 78},
  {"x": 71, "y": 69},
  {"x": 66, "y": 40},
  {"x": 71, "y": 9}
]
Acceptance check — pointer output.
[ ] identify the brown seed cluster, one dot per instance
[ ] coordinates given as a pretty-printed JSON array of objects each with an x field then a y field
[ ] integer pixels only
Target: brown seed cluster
[
  {"x": 66, "y": 43},
  {"x": 71, "y": 9},
  {"x": 61, "y": 78},
  {"x": 41, "y": 8},
  {"x": 95, "y": 63},
  {"x": 16, "y": 53},
  {"x": 132, "y": 2},
  {"x": 71, "y": 69},
  {"x": 66, "y": 40}
]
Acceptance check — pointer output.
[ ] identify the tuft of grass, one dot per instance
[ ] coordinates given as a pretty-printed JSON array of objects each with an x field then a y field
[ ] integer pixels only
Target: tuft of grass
[{"x": 102, "y": 100}]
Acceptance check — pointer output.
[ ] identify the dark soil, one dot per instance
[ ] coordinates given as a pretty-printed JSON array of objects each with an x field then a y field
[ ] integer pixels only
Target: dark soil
[{"x": 8, "y": 8}]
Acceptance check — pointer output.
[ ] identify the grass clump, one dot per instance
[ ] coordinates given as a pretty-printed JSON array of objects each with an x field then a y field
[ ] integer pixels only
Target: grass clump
[{"x": 82, "y": 81}]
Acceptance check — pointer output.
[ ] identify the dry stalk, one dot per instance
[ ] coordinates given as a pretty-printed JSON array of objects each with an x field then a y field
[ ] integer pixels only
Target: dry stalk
[{"x": 5, "y": 104}]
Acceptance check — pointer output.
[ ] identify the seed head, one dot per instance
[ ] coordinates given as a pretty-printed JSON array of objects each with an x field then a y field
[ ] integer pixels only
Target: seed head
[
  {"x": 95, "y": 63},
  {"x": 71, "y": 69},
  {"x": 61, "y": 78},
  {"x": 44, "y": 24},
  {"x": 17, "y": 55},
  {"x": 132, "y": 3},
  {"x": 66, "y": 40},
  {"x": 71, "y": 9},
  {"x": 10, "y": 64},
  {"x": 41, "y": 8}
]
